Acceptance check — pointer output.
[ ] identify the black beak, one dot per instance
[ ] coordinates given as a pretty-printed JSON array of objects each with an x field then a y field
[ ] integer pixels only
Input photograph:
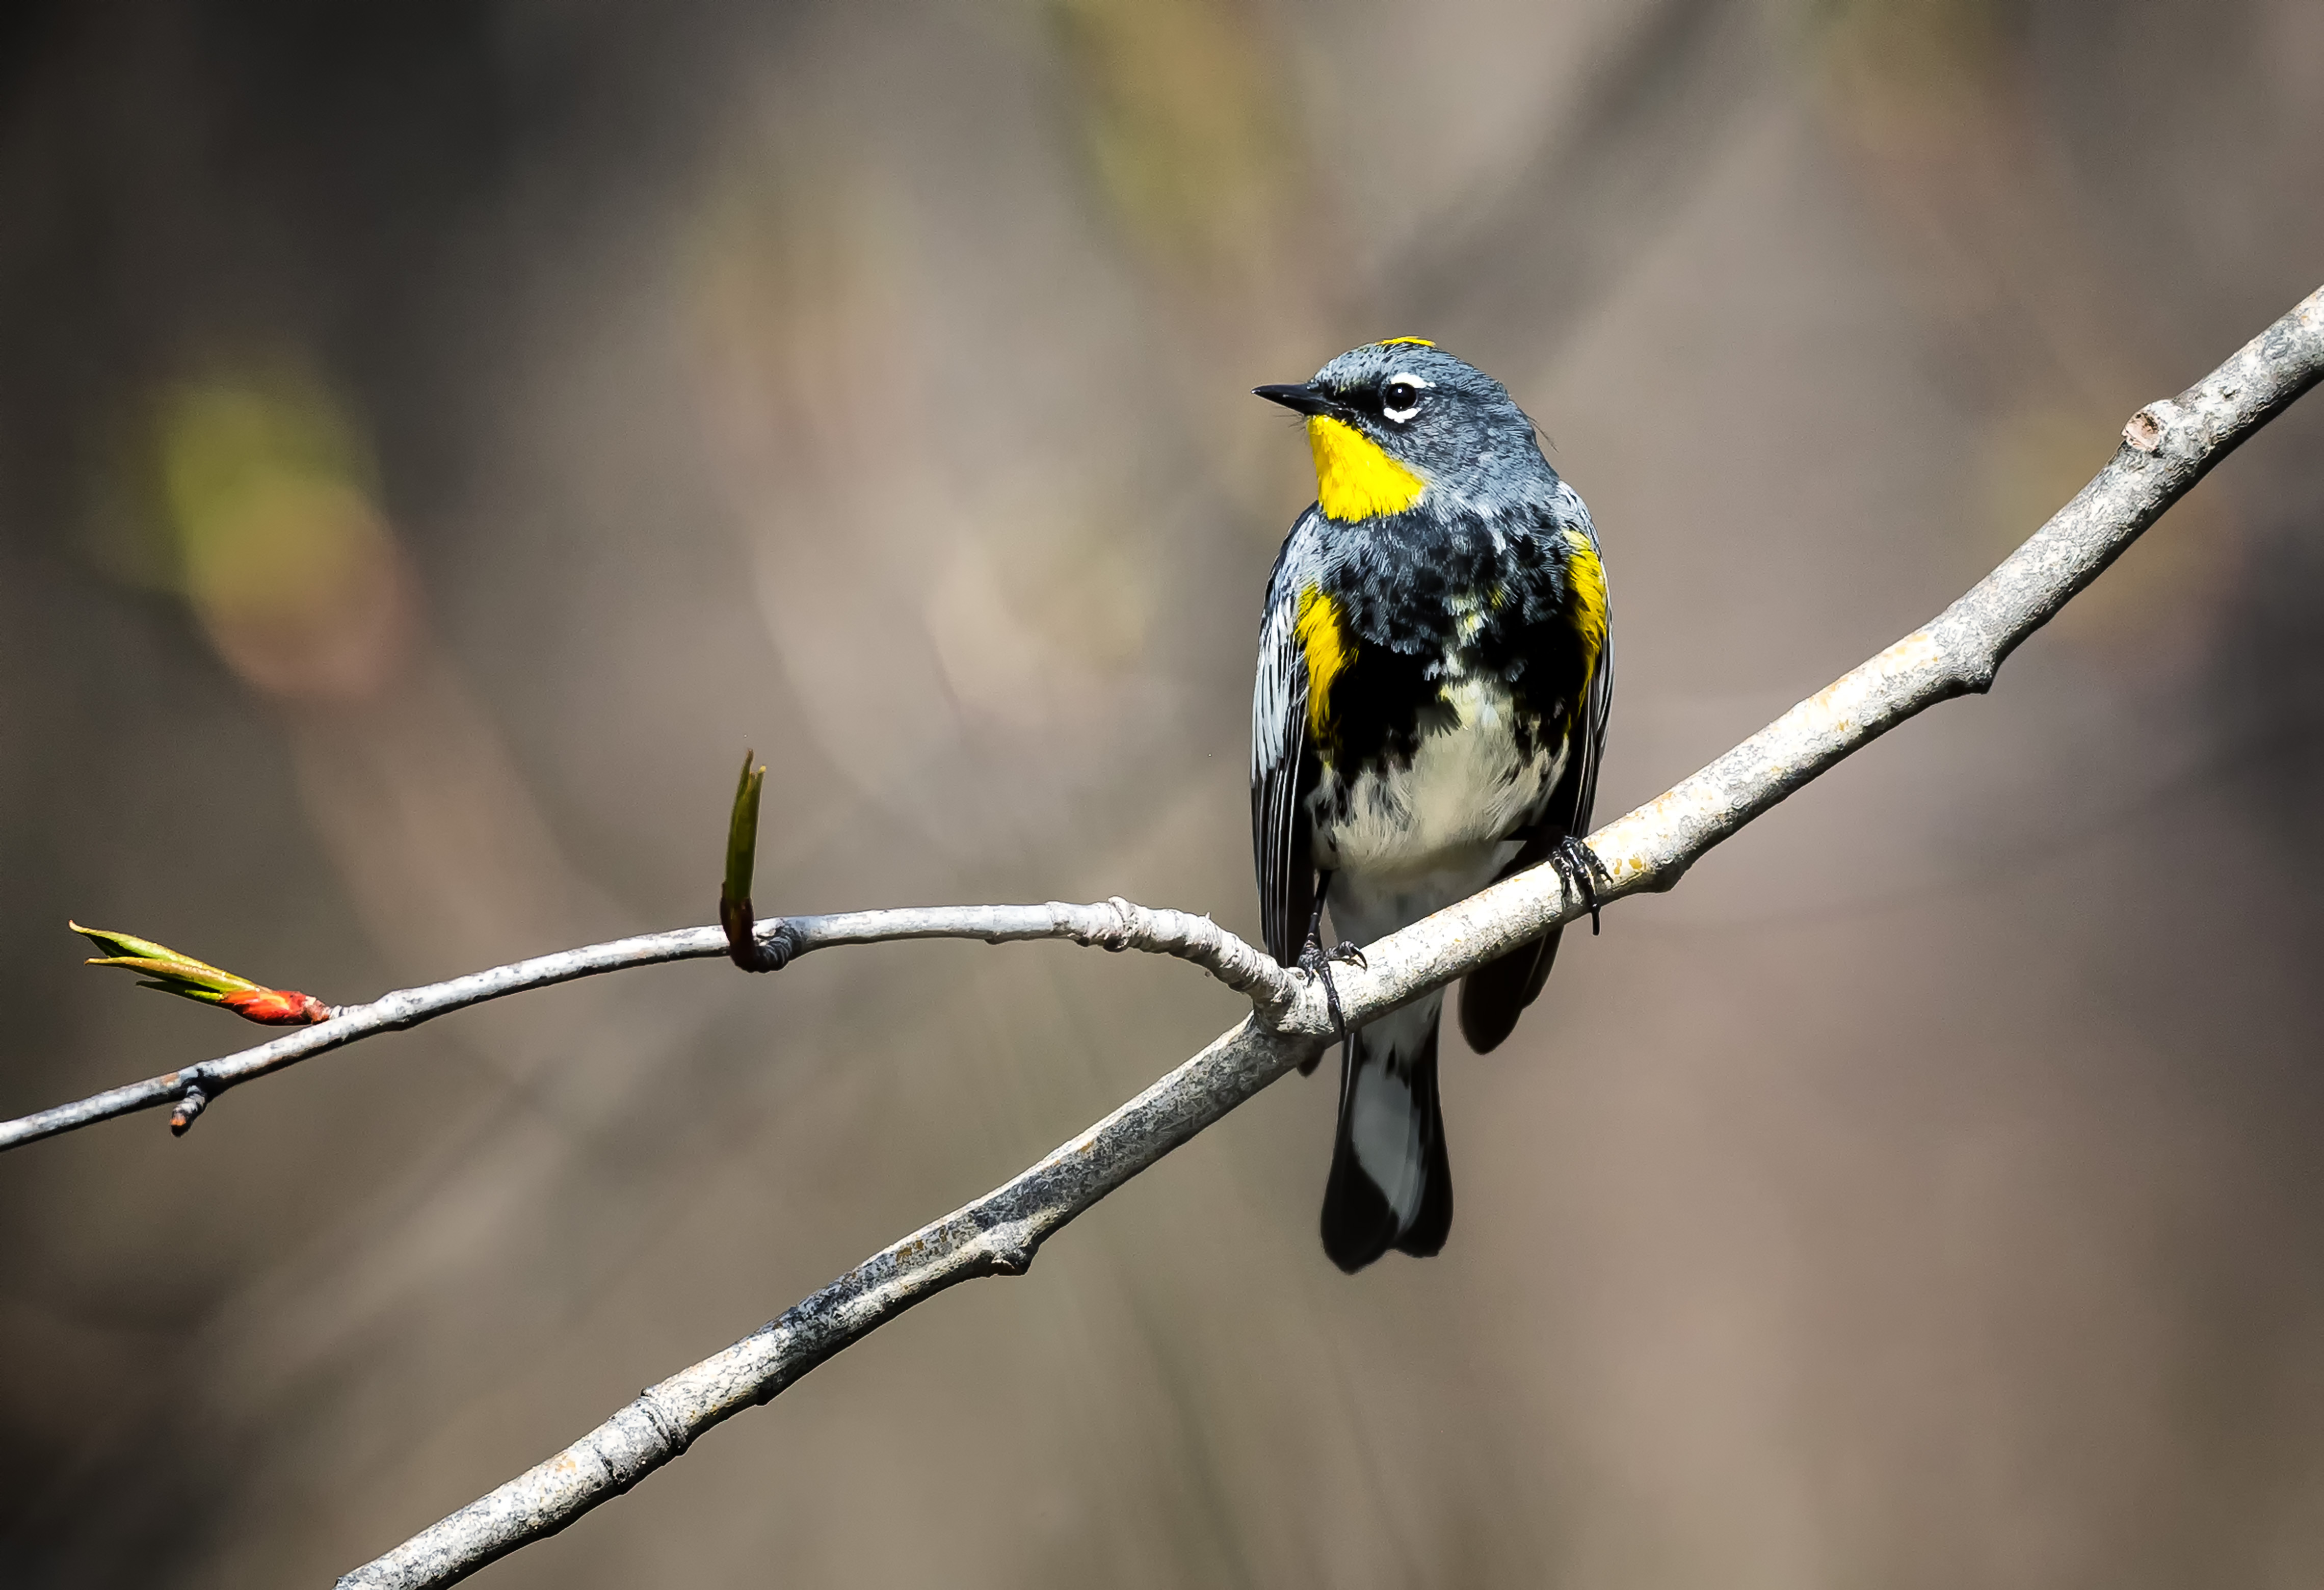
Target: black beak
[{"x": 1306, "y": 397}]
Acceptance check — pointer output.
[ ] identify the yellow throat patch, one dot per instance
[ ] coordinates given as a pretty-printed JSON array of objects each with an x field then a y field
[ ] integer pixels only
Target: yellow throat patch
[
  {"x": 1328, "y": 650},
  {"x": 1353, "y": 478}
]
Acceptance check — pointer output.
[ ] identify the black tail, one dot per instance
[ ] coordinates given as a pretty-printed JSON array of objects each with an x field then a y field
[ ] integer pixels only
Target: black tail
[{"x": 1389, "y": 1156}]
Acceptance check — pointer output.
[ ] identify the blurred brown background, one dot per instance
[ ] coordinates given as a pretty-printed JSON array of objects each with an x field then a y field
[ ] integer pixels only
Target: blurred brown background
[{"x": 435, "y": 439}]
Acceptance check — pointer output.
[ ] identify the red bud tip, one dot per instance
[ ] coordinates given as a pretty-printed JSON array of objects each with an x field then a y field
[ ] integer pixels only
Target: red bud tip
[{"x": 277, "y": 1007}]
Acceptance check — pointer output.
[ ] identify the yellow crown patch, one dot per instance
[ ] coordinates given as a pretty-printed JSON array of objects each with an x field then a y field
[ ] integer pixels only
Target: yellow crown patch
[{"x": 1417, "y": 342}]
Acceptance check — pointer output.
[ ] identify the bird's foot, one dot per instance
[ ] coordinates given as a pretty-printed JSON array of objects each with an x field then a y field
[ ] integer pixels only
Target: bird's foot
[
  {"x": 1316, "y": 962},
  {"x": 1579, "y": 865}
]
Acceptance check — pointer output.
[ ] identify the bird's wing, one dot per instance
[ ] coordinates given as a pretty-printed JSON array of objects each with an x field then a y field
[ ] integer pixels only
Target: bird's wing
[
  {"x": 1284, "y": 770},
  {"x": 1569, "y": 806},
  {"x": 1493, "y": 996}
]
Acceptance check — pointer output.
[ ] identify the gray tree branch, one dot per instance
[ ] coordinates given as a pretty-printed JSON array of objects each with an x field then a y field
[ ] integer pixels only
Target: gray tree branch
[
  {"x": 1113, "y": 924},
  {"x": 2167, "y": 447}
]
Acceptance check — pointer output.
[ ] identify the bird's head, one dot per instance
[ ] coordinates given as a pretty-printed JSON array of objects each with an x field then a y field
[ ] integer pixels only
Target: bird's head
[{"x": 1390, "y": 421}]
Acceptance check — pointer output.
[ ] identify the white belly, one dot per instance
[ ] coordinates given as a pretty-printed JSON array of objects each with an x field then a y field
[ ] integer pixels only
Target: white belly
[{"x": 1410, "y": 840}]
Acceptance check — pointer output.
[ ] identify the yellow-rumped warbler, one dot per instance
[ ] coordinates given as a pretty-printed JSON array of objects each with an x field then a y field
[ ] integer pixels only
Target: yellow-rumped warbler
[{"x": 1435, "y": 673}]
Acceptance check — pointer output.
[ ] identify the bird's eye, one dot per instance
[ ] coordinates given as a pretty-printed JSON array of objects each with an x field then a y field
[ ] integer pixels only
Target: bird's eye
[{"x": 1400, "y": 400}]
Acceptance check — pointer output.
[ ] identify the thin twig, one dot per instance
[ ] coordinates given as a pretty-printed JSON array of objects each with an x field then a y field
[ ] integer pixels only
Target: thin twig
[
  {"x": 2167, "y": 447},
  {"x": 1114, "y": 924}
]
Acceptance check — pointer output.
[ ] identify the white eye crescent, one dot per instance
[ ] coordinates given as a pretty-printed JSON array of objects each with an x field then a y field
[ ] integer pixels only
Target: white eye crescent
[{"x": 1400, "y": 396}]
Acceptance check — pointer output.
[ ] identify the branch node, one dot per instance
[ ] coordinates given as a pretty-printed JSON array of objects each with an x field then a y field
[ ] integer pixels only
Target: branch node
[
  {"x": 673, "y": 1434},
  {"x": 1127, "y": 933},
  {"x": 2144, "y": 432},
  {"x": 190, "y": 1105},
  {"x": 749, "y": 945}
]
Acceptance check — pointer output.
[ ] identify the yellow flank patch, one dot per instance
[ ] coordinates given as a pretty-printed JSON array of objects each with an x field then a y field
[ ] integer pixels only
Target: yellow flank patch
[
  {"x": 1398, "y": 342},
  {"x": 1585, "y": 578},
  {"x": 1329, "y": 650},
  {"x": 1353, "y": 478}
]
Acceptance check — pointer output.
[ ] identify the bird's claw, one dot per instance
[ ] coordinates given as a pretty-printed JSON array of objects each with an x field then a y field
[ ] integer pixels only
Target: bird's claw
[
  {"x": 1316, "y": 962},
  {"x": 1580, "y": 866}
]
